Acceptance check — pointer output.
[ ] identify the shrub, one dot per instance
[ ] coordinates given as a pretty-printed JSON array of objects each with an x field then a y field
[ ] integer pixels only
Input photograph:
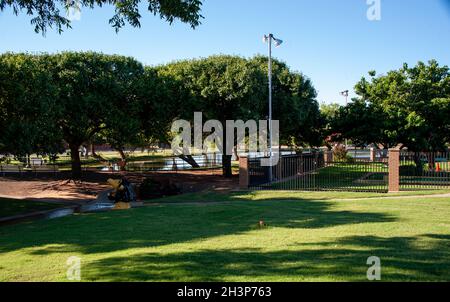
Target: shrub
[
  {"x": 151, "y": 188},
  {"x": 340, "y": 153}
]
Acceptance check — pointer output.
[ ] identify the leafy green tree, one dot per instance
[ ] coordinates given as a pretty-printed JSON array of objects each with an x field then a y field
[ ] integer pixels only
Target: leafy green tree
[
  {"x": 329, "y": 113},
  {"x": 294, "y": 103},
  {"x": 95, "y": 94},
  {"x": 221, "y": 87},
  {"x": 47, "y": 13},
  {"x": 409, "y": 106},
  {"x": 234, "y": 88},
  {"x": 363, "y": 123},
  {"x": 28, "y": 107}
]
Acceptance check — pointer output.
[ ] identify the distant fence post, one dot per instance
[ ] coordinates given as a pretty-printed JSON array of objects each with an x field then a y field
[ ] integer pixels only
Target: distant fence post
[
  {"x": 243, "y": 173},
  {"x": 394, "y": 170},
  {"x": 373, "y": 156},
  {"x": 328, "y": 156}
]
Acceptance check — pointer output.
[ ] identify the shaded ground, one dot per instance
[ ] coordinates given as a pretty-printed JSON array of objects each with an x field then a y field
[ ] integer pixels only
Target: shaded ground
[
  {"x": 11, "y": 207},
  {"x": 48, "y": 187},
  {"x": 304, "y": 240}
]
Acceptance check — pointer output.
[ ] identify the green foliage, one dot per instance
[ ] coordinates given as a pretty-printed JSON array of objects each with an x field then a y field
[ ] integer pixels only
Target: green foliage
[
  {"x": 340, "y": 154},
  {"x": 409, "y": 106},
  {"x": 150, "y": 189},
  {"x": 47, "y": 13},
  {"x": 85, "y": 97},
  {"x": 28, "y": 106},
  {"x": 232, "y": 88}
]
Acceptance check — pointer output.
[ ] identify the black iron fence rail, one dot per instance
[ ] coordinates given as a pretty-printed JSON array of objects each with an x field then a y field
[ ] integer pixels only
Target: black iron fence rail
[
  {"x": 311, "y": 172},
  {"x": 424, "y": 170}
]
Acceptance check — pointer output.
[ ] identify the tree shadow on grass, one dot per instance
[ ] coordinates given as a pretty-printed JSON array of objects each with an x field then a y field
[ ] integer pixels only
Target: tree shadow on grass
[
  {"x": 401, "y": 260},
  {"x": 162, "y": 225}
]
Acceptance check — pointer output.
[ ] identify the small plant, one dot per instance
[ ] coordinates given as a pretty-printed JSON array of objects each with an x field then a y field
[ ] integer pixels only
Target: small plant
[
  {"x": 151, "y": 188},
  {"x": 262, "y": 224},
  {"x": 340, "y": 154}
]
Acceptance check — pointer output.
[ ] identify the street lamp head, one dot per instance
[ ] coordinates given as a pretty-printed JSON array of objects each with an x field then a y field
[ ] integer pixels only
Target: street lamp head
[
  {"x": 344, "y": 93},
  {"x": 278, "y": 42}
]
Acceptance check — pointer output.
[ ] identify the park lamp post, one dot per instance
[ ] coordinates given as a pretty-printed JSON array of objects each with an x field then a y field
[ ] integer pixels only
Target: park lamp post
[
  {"x": 345, "y": 94},
  {"x": 268, "y": 39}
]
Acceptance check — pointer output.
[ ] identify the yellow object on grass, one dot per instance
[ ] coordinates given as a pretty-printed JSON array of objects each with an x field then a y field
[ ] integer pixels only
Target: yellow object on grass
[{"x": 122, "y": 206}]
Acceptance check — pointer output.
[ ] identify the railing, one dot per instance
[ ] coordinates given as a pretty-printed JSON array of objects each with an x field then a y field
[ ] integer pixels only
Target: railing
[
  {"x": 317, "y": 172},
  {"x": 204, "y": 162},
  {"x": 424, "y": 170},
  {"x": 63, "y": 164}
]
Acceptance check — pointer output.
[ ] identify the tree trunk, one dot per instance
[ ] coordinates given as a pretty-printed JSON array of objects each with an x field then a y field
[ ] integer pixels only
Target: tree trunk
[
  {"x": 226, "y": 159},
  {"x": 419, "y": 164},
  {"x": 76, "y": 162},
  {"x": 123, "y": 156},
  {"x": 190, "y": 160},
  {"x": 226, "y": 166},
  {"x": 236, "y": 155},
  {"x": 28, "y": 160},
  {"x": 431, "y": 161},
  {"x": 93, "y": 150}
]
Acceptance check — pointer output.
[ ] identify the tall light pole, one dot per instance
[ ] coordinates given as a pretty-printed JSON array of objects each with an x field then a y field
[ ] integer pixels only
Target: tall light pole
[
  {"x": 268, "y": 39},
  {"x": 345, "y": 94}
]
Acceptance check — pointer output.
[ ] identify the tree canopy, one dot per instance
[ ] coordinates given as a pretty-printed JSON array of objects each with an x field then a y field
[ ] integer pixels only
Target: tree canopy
[
  {"x": 51, "y": 13},
  {"x": 235, "y": 88},
  {"x": 74, "y": 98},
  {"x": 408, "y": 107},
  {"x": 28, "y": 107}
]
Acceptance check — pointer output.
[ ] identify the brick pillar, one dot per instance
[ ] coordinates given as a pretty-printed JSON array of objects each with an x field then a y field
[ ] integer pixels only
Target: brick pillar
[
  {"x": 243, "y": 173},
  {"x": 373, "y": 155},
  {"x": 328, "y": 157},
  {"x": 394, "y": 170}
]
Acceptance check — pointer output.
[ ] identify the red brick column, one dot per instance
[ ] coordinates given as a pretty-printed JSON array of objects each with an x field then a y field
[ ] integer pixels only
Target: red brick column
[
  {"x": 328, "y": 157},
  {"x": 243, "y": 173},
  {"x": 373, "y": 155},
  {"x": 394, "y": 170}
]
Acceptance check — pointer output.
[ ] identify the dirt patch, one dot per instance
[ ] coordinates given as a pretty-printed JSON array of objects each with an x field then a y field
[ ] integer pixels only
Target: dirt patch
[{"x": 46, "y": 187}]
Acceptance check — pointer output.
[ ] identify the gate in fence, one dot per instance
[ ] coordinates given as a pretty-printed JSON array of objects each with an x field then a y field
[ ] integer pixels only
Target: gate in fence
[{"x": 317, "y": 171}]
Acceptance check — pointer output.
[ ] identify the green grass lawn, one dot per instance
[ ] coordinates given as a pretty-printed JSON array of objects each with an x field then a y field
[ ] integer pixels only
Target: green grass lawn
[
  {"x": 309, "y": 237},
  {"x": 12, "y": 207},
  {"x": 208, "y": 197}
]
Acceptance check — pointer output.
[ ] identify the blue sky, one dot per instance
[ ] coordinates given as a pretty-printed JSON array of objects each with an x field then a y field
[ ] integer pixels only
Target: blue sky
[{"x": 330, "y": 41}]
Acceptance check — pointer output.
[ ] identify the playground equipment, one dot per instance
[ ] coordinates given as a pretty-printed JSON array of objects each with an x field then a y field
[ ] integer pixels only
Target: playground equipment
[{"x": 123, "y": 193}]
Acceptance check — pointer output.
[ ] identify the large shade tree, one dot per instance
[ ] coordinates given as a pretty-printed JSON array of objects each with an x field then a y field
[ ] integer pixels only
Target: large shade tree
[
  {"x": 52, "y": 13},
  {"x": 95, "y": 94},
  {"x": 294, "y": 104},
  {"x": 46, "y": 100},
  {"x": 28, "y": 107},
  {"x": 234, "y": 88},
  {"x": 408, "y": 107}
]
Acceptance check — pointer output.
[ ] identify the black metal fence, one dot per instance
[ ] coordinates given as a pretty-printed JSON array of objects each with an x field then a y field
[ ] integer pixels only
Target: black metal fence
[
  {"x": 38, "y": 166},
  {"x": 424, "y": 170},
  {"x": 315, "y": 172},
  {"x": 203, "y": 162}
]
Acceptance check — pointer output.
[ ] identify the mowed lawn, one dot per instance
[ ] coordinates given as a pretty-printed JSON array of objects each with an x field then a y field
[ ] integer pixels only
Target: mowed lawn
[
  {"x": 308, "y": 237},
  {"x": 12, "y": 207}
]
